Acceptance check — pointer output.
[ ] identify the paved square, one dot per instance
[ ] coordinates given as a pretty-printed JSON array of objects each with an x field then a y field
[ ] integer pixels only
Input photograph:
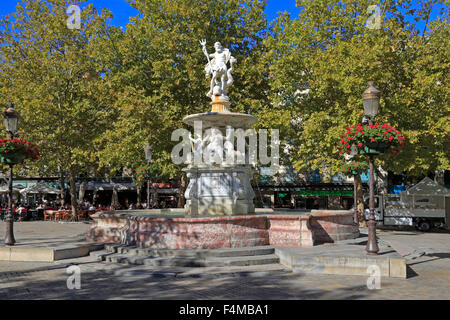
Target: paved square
[{"x": 428, "y": 257}]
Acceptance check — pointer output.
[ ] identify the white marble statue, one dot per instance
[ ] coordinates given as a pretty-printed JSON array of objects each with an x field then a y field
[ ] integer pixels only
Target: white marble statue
[
  {"x": 197, "y": 149},
  {"x": 213, "y": 152},
  {"x": 221, "y": 77}
]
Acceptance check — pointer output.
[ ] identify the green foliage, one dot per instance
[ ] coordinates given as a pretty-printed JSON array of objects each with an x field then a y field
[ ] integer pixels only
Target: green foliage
[
  {"x": 159, "y": 76},
  {"x": 92, "y": 98},
  {"x": 54, "y": 76},
  {"x": 320, "y": 64}
]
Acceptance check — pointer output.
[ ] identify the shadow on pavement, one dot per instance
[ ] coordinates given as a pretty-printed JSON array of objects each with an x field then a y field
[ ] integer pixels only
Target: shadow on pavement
[
  {"x": 100, "y": 285},
  {"x": 410, "y": 273}
]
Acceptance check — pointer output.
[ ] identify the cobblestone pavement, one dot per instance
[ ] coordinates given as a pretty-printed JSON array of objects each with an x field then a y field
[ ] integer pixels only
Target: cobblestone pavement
[{"x": 429, "y": 278}]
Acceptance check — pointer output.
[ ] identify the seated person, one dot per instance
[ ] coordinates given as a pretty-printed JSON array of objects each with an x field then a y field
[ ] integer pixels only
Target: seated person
[{"x": 21, "y": 211}]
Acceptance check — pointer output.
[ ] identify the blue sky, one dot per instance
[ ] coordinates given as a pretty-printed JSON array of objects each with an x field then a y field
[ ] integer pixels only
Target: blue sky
[{"x": 122, "y": 10}]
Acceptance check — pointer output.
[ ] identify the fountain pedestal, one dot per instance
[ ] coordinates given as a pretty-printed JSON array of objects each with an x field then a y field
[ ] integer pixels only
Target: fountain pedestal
[{"x": 219, "y": 189}]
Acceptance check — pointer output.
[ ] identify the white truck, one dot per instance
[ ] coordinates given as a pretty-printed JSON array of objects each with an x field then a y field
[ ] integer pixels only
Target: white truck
[{"x": 424, "y": 206}]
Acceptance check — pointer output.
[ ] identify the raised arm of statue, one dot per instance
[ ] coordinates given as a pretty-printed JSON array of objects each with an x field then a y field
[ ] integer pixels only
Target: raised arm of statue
[{"x": 203, "y": 43}]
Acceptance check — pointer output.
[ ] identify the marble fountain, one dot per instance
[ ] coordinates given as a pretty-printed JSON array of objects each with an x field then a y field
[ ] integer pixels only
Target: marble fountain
[{"x": 219, "y": 210}]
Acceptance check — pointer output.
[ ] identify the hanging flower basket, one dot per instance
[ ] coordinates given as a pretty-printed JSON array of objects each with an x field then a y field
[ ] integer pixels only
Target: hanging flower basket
[
  {"x": 16, "y": 151},
  {"x": 146, "y": 172},
  {"x": 372, "y": 139},
  {"x": 142, "y": 172},
  {"x": 12, "y": 158}
]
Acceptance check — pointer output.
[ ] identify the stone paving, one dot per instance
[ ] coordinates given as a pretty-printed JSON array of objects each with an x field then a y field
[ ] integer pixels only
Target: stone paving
[
  {"x": 41, "y": 232},
  {"x": 428, "y": 257}
]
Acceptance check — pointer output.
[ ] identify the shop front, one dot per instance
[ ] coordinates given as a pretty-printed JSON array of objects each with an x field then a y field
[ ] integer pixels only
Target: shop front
[{"x": 325, "y": 196}]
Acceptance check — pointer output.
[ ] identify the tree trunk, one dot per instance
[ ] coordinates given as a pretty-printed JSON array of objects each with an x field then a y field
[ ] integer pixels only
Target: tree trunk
[
  {"x": 360, "y": 201},
  {"x": 115, "y": 205},
  {"x": 182, "y": 190},
  {"x": 382, "y": 179},
  {"x": 94, "y": 198},
  {"x": 81, "y": 193},
  {"x": 61, "y": 185},
  {"x": 138, "y": 191},
  {"x": 73, "y": 193},
  {"x": 155, "y": 196}
]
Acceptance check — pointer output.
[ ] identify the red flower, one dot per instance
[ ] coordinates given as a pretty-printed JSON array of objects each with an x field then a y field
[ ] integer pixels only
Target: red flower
[{"x": 360, "y": 144}]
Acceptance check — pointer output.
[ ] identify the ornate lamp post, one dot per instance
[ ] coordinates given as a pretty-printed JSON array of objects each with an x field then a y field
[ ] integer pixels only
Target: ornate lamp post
[
  {"x": 148, "y": 157},
  {"x": 11, "y": 120},
  {"x": 371, "y": 102}
]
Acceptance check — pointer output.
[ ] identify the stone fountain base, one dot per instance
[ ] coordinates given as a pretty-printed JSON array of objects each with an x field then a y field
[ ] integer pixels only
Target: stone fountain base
[
  {"x": 219, "y": 191},
  {"x": 296, "y": 229}
]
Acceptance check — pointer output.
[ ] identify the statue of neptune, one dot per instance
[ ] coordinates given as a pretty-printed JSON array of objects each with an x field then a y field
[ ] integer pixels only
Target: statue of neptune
[{"x": 217, "y": 67}]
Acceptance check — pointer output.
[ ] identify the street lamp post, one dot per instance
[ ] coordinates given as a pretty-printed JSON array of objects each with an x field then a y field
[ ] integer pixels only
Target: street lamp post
[
  {"x": 371, "y": 102},
  {"x": 11, "y": 118},
  {"x": 148, "y": 157},
  {"x": 355, "y": 203}
]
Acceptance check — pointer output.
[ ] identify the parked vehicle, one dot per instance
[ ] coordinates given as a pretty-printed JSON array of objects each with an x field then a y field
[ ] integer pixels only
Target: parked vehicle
[{"x": 424, "y": 206}]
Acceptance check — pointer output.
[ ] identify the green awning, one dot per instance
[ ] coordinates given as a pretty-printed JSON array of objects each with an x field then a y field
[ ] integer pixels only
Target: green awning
[{"x": 326, "y": 193}]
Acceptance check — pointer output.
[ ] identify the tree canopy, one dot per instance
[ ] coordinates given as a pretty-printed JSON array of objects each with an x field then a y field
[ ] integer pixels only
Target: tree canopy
[
  {"x": 91, "y": 98},
  {"x": 56, "y": 78},
  {"x": 320, "y": 64}
]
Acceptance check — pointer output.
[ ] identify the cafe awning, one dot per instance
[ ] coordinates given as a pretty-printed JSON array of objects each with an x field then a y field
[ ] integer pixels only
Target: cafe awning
[
  {"x": 40, "y": 187},
  {"x": 109, "y": 186},
  {"x": 4, "y": 189}
]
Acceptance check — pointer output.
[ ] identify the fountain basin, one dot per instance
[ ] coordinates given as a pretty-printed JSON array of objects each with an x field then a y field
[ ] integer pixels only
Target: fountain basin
[
  {"x": 174, "y": 230},
  {"x": 222, "y": 119}
]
